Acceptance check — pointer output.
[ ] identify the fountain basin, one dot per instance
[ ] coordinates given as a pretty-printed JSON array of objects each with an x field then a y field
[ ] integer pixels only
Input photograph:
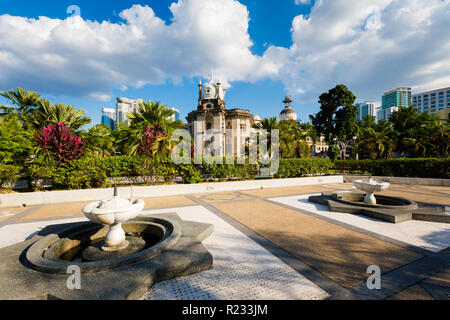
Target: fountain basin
[
  {"x": 370, "y": 186},
  {"x": 56, "y": 252}
]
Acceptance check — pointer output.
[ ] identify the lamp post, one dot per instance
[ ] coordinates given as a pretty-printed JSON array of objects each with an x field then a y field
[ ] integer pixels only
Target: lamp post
[
  {"x": 355, "y": 147},
  {"x": 335, "y": 139}
]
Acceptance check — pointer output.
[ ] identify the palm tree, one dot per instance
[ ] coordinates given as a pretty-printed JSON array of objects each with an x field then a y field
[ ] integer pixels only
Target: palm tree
[
  {"x": 100, "y": 142},
  {"x": 378, "y": 144},
  {"x": 46, "y": 114},
  {"x": 150, "y": 115},
  {"x": 23, "y": 101}
]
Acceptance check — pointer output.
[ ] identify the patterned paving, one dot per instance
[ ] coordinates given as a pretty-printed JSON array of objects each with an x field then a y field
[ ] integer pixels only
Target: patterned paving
[
  {"x": 329, "y": 250},
  {"x": 243, "y": 270},
  {"x": 426, "y": 235},
  {"x": 343, "y": 255}
]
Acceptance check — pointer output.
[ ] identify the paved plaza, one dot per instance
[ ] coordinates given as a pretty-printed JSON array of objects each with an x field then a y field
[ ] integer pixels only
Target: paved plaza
[{"x": 274, "y": 244}]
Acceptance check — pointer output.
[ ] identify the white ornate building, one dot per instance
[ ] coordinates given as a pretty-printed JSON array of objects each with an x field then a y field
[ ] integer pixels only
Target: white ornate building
[{"x": 213, "y": 120}]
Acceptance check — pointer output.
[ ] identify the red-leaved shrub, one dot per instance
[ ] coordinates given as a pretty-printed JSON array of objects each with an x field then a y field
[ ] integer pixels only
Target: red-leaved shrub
[{"x": 61, "y": 142}]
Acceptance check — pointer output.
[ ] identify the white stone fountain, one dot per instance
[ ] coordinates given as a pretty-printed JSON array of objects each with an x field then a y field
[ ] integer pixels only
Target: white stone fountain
[
  {"x": 370, "y": 186},
  {"x": 113, "y": 212}
]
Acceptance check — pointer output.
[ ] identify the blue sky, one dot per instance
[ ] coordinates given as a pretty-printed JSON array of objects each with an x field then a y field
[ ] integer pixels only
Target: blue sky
[{"x": 159, "y": 49}]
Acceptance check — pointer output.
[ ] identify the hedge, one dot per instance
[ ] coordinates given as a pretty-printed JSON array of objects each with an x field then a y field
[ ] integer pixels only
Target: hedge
[
  {"x": 404, "y": 167},
  {"x": 292, "y": 168},
  {"x": 91, "y": 172},
  {"x": 9, "y": 174}
]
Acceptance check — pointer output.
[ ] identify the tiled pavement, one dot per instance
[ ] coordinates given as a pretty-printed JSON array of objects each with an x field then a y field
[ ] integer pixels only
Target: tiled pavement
[{"x": 332, "y": 254}]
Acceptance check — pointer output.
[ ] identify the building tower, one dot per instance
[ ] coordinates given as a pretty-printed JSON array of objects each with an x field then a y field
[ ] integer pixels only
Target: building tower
[{"x": 288, "y": 113}]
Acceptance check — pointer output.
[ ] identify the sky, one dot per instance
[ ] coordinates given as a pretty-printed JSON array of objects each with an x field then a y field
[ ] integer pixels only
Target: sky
[{"x": 261, "y": 50}]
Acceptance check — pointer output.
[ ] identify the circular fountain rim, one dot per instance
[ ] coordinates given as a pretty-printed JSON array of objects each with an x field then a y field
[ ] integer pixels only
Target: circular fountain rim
[
  {"x": 35, "y": 254},
  {"x": 405, "y": 204}
]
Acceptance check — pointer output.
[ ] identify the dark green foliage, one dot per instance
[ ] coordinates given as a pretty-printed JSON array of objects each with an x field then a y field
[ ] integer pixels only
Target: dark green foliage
[
  {"x": 9, "y": 175},
  {"x": 92, "y": 172},
  {"x": 414, "y": 168},
  {"x": 292, "y": 168}
]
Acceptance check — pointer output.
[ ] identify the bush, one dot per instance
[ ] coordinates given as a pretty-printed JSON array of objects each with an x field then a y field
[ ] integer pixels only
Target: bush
[
  {"x": 9, "y": 175},
  {"x": 292, "y": 168},
  {"x": 413, "y": 168},
  {"x": 92, "y": 172}
]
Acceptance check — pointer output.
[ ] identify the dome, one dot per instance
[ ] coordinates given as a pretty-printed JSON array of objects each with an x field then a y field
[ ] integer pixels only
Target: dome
[
  {"x": 288, "y": 114},
  {"x": 212, "y": 91},
  {"x": 256, "y": 118}
]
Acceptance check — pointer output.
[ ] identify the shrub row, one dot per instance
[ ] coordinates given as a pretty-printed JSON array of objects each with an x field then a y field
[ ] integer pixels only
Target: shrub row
[
  {"x": 91, "y": 172},
  {"x": 412, "y": 168}
]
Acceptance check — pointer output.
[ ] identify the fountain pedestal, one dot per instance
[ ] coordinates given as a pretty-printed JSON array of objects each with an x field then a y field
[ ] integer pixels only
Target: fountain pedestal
[
  {"x": 113, "y": 212},
  {"x": 370, "y": 186}
]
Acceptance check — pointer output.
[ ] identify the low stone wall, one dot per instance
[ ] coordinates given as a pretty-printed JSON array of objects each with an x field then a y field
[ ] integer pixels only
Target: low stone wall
[
  {"x": 405, "y": 181},
  {"x": 40, "y": 198}
]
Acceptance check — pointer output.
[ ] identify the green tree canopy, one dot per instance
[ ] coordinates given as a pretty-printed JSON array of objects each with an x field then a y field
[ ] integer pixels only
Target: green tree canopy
[
  {"x": 337, "y": 115},
  {"x": 47, "y": 114},
  {"x": 15, "y": 142}
]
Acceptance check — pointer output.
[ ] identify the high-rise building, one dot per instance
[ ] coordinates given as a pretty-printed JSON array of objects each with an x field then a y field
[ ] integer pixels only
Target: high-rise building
[
  {"x": 366, "y": 108},
  {"x": 124, "y": 107},
  {"x": 109, "y": 117},
  {"x": 392, "y": 100},
  {"x": 176, "y": 115},
  {"x": 432, "y": 101}
]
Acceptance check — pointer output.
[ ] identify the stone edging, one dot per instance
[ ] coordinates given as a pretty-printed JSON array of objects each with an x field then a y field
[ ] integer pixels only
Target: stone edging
[
  {"x": 405, "y": 181},
  {"x": 52, "y": 197}
]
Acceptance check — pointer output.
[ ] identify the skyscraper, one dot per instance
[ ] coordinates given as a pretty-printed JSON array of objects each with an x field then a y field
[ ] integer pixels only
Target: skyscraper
[
  {"x": 432, "y": 101},
  {"x": 109, "y": 117},
  {"x": 392, "y": 100},
  {"x": 124, "y": 107},
  {"x": 366, "y": 108}
]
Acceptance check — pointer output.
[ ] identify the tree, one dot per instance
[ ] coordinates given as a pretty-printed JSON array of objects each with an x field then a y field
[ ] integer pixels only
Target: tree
[
  {"x": 142, "y": 122},
  {"x": 337, "y": 117},
  {"x": 23, "y": 102},
  {"x": 15, "y": 142},
  {"x": 376, "y": 142},
  {"x": 420, "y": 134},
  {"x": 47, "y": 114},
  {"x": 293, "y": 142},
  {"x": 101, "y": 142}
]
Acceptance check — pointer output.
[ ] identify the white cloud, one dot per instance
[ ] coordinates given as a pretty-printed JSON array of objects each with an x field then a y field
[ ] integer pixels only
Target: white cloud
[
  {"x": 369, "y": 48},
  {"x": 78, "y": 57}
]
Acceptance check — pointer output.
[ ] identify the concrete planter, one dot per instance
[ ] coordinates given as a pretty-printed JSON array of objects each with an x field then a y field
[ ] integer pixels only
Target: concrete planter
[
  {"x": 405, "y": 181},
  {"x": 40, "y": 198}
]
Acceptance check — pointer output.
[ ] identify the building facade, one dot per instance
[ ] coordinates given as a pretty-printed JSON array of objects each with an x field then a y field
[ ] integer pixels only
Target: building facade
[
  {"x": 392, "y": 100},
  {"x": 124, "y": 107},
  {"x": 223, "y": 131},
  {"x": 432, "y": 101},
  {"x": 109, "y": 117},
  {"x": 366, "y": 108}
]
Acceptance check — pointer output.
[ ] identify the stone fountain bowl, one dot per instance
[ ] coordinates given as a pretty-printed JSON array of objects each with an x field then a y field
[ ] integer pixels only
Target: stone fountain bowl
[
  {"x": 121, "y": 213},
  {"x": 371, "y": 186}
]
